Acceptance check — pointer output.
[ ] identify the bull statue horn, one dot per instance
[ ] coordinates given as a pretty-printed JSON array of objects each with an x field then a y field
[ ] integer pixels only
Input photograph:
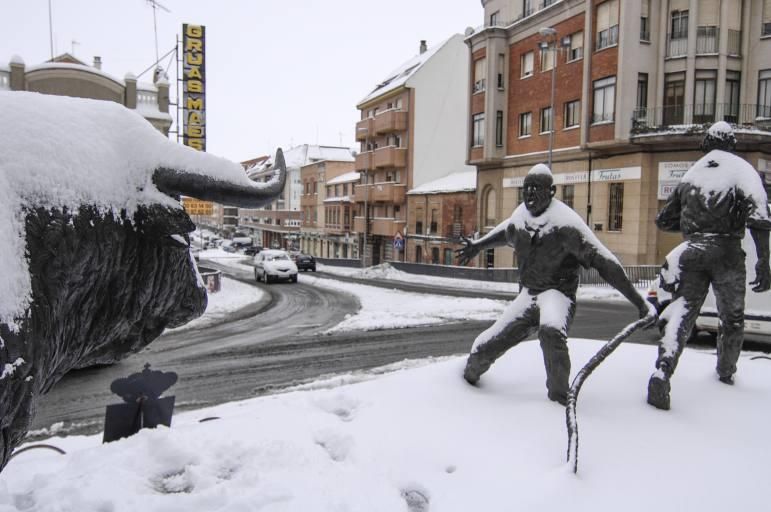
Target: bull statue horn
[{"x": 244, "y": 194}]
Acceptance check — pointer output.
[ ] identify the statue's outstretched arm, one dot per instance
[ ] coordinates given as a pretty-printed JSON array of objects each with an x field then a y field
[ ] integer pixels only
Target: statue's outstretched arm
[{"x": 495, "y": 238}]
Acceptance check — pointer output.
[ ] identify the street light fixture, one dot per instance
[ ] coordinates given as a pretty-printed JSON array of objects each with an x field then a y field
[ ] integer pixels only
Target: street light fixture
[{"x": 549, "y": 45}]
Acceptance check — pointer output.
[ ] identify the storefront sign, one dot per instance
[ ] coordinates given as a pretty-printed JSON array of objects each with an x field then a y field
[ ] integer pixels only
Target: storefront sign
[
  {"x": 670, "y": 174},
  {"x": 194, "y": 86},
  {"x": 569, "y": 178}
]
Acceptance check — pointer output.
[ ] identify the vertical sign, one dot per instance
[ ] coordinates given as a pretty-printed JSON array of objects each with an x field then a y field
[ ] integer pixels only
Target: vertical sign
[
  {"x": 194, "y": 86},
  {"x": 194, "y": 102}
]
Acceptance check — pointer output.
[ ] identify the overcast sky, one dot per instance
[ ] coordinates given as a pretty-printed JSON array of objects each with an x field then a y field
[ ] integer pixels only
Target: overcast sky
[{"x": 279, "y": 72}]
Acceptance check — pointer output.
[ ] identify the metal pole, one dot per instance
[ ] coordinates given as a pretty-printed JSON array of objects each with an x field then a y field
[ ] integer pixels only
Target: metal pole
[
  {"x": 366, "y": 216},
  {"x": 51, "y": 29},
  {"x": 551, "y": 112}
]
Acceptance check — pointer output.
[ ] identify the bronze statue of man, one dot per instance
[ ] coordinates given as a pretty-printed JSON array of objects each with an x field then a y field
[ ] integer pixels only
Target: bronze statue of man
[
  {"x": 551, "y": 241},
  {"x": 716, "y": 200}
]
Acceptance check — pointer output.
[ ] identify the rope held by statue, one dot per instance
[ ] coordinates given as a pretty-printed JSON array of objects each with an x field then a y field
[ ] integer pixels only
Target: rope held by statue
[{"x": 581, "y": 376}]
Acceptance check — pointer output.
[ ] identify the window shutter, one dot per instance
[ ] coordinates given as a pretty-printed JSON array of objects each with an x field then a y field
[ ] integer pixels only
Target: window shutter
[
  {"x": 645, "y": 9},
  {"x": 709, "y": 12},
  {"x": 735, "y": 15},
  {"x": 577, "y": 40},
  {"x": 678, "y": 5},
  {"x": 612, "y": 13},
  {"x": 767, "y": 11},
  {"x": 603, "y": 16}
]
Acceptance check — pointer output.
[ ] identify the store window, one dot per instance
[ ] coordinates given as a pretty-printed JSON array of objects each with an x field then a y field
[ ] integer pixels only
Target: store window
[
  {"x": 615, "y": 206},
  {"x": 568, "y": 194}
]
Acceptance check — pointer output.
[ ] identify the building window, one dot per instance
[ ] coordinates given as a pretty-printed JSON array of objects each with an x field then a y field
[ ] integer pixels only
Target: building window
[
  {"x": 547, "y": 57},
  {"x": 419, "y": 221},
  {"x": 765, "y": 29},
  {"x": 418, "y": 254},
  {"x": 568, "y": 194},
  {"x": 572, "y": 113},
  {"x": 615, "y": 206},
  {"x": 527, "y": 8},
  {"x": 520, "y": 195},
  {"x": 704, "y": 96},
  {"x": 501, "y": 68},
  {"x": 576, "y": 49},
  {"x": 525, "y": 124},
  {"x": 641, "y": 105},
  {"x": 645, "y": 21},
  {"x": 480, "y": 70},
  {"x": 457, "y": 214},
  {"x": 435, "y": 255},
  {"x": 607, "y": 24},
  {"x": 546, "y": 118},
  {"x": 674, "y": 98},
  {"x": 490, "y": 258},
  {"x": 604, "y": 100},
  {"x": 679, "y": 24},
  {"x": 499, "y": 128},
  {"x": 526, "y": 64},
  {"x": 434, "y": 226},
  {"x": 489, "y": 207},
  {"x": 448, "y": 257},
  {"x": 764, "y": 93},
  {"x": 494, "y": 18},
  {"x": 732, "y": 83},
  {"x": 478, "y": 130}
]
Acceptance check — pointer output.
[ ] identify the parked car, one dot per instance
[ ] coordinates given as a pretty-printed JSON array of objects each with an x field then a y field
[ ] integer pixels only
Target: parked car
[
  {"x": 251, "y": 251},
  {"x": 305, "y": 262},
  {"x": 272, "y": 264}
]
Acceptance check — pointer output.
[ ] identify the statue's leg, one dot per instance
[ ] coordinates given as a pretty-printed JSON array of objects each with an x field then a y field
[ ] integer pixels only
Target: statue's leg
[
  {"x": 556, "y": 313},
  {"x": 729, "y": 287},
  {"x": 517, "y": 322},
  {"x": 678, "y": 318}
]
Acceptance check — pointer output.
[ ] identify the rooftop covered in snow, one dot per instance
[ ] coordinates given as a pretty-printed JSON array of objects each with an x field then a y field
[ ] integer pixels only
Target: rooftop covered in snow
[{"x": 464, "y": 181}]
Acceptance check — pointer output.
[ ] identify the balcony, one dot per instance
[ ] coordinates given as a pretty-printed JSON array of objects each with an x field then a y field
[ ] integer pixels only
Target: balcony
[
  {"x": 379, "y": 226},
  {"x": 364, "y": 129},
  {"x": 365, "y": 161},
  {"x": 707, "y": 40},
  {"x": 390, "y": 156},
  {"x": 677, "y": 45},
  {"x": 387, "y": 192},
  {"x": 695, "y": 118},
  {"x": 390, "y": 121}
]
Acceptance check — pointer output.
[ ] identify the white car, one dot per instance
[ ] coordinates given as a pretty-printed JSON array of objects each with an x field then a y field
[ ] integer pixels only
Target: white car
[
  {"x": 272, "y": 264},
  {"x": 757, "y": 306}
]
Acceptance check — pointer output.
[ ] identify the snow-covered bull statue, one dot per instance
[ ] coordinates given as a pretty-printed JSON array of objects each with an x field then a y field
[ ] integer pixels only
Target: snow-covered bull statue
[{"x": 93, "y": 239}]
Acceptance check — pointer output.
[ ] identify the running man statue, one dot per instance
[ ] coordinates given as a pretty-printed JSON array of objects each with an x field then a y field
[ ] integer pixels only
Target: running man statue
[
  {"x": 716, "y": 200},
  {"x": 551, "y": 241}
]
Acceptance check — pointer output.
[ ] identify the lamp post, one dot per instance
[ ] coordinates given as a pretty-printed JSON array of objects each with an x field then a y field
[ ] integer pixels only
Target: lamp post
[{"x": 549, "y": 45}]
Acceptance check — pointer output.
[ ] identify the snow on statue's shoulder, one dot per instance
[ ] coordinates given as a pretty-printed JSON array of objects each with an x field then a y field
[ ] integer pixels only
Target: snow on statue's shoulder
[
  {"x": 720, "y": 171},
  {"x": 559, "y": 215}
]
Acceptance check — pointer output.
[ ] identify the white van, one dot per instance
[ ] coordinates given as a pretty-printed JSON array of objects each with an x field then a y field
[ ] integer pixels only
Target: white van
[{"x": 757, "y": 306}]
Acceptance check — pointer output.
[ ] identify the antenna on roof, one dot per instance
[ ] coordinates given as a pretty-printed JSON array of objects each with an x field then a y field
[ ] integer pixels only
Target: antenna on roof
[
  {"x": 156, "y": 5},
  {"x": 51, "y": 29}
]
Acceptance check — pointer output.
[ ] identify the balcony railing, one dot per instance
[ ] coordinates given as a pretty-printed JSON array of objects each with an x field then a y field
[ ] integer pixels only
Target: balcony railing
[
  {"x": 528, "y": 9},
  {"x": 365, "y": 161},
  {"x": 390, "y": 156},
  {"x": 378, "y": 226},
  {"x": 387, "y": 192},
  {"x": 364, "y": 128},
  {"x": 677, "y": 44},
  {"x": 707, "y": 40},
  {"x": 734, "y": 42},
  {"x": 391, "y": 121},
  {"x": 693, "y": 117}
]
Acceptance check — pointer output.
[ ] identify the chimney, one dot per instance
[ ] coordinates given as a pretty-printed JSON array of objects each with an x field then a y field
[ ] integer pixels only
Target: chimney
[
  {"x": 423, "y": 46},
  {"x": 97, "y": 62}
]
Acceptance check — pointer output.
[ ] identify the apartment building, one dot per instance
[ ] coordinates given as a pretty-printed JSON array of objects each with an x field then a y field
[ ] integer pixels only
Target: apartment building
[
  {"x": 66, "y": 75},
  {"x": 636, "y": 82},
  {"x": 278, "y": 224},
  {"x": 440, "y": 212},
  {"x": 412, "y": 131},
  {"x": 327, "y": 205}
]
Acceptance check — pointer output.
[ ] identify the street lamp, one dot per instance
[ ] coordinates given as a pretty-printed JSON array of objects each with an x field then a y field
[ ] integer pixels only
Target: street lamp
[{"x": 550, "y": 36}]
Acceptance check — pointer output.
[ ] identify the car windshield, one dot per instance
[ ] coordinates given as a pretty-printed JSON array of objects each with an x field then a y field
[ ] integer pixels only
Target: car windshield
[{"x": 278, "y": 257}]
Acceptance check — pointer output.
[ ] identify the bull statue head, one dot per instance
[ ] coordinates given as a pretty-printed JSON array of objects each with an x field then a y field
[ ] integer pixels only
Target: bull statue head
[{"x": 95, "y": 273}]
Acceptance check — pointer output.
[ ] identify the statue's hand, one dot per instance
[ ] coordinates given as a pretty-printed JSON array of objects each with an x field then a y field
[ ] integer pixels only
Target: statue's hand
[
  {"x": 468, "y": 251},
  {"x": 762, "y": 280}
]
